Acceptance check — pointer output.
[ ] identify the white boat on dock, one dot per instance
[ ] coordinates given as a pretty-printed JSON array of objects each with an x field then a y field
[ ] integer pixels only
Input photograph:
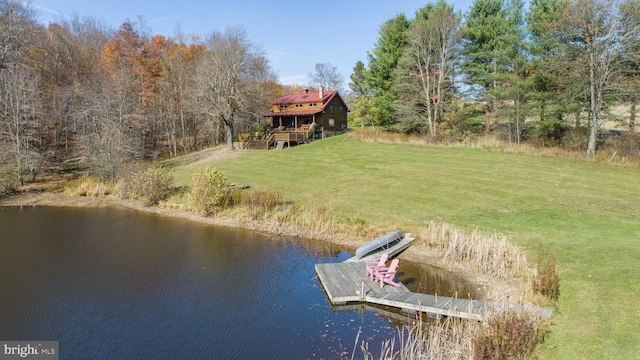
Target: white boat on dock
[{"x": 393, "y": 243}]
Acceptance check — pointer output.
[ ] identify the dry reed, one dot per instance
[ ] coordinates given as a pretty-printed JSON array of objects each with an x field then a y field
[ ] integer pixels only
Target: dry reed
[
  {"x": 509, "y": 334},
  {"x": 545, "y": 277},
  {"x": 89, "y": 186},
  {"x": 491, "y": 255}
]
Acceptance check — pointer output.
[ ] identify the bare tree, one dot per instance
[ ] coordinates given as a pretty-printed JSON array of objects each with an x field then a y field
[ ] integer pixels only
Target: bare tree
[
  {"x": 19, "y": 93},
  {"x": 229, "y": 72},
  {"x": 114, "y": 125},
  {"x": 426, "y": 70},
  {"x": 16, "y": 23},
  {"x": 599, "y": 36},
  {"x": 327, "y": 76},
  {"x": 20, "y": 104},
  {"x": 69, "y": 61}
]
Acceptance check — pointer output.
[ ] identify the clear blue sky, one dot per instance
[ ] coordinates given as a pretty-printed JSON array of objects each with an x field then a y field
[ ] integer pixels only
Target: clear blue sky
[{"x": 295, "y": 35}]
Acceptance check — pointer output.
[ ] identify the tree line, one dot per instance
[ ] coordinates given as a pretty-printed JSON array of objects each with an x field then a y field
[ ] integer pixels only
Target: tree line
[
  {"x": 77, "y": 93},
  {"x": 558, "y": 64}
]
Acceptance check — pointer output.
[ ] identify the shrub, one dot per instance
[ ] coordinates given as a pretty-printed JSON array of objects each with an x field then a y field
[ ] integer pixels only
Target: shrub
[
  {"x": 90, "y": 186},
  {"x": 150, "y": 186},
  {"x": 623, "y": 145},
  {"x": 549, "y": 132},
  {"x": 507, "y": 335},
  {"x": 576, "y": 139},
  {"x": 546, "y": 280},
  {"x": 208, "y": 190},
  {"x": 9, "y": 179}
]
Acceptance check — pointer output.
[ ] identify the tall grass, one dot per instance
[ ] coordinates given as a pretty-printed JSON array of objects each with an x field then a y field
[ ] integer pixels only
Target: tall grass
[
  {"x": 507, "y": 335},
  {"x": 546, "y": 279},
  {"x": 89, "y": 186},
  {"x": 289, "y": 219},
  {"x": 492, "y": 255},
  {"x": 510, "y": 334}
]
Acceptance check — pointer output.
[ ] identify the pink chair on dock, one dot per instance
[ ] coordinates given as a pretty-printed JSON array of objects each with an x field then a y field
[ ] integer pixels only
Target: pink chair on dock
[
  {"x": 372, "y": 266},
  {"x": 386, "y": 275}
]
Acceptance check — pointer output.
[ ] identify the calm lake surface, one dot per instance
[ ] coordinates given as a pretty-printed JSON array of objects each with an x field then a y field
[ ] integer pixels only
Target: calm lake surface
[{"x": 121, "y": 284}]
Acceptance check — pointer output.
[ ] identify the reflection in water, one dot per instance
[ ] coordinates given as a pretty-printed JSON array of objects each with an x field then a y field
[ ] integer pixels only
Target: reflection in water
[{"x": 121, "y": 284}]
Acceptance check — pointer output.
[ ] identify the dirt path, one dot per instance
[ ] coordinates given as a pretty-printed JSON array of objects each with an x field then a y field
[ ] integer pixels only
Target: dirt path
[{"x": 207, "y": 155}]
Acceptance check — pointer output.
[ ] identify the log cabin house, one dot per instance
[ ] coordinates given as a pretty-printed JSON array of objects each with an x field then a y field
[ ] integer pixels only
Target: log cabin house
[{"x": 300, "y": 118}]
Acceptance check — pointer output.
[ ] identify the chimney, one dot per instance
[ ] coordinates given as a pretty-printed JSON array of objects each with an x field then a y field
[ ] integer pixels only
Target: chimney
[
  {"x": 320, "y": 92},
  {"x": 305, "y": 90}
]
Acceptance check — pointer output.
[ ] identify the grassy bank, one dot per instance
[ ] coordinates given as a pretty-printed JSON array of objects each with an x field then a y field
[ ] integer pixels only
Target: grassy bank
[{"x": 585, "y": 212}]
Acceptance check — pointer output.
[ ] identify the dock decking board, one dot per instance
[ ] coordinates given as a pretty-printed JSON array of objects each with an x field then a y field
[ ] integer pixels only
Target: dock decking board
[{"x": 343, "y": 283}]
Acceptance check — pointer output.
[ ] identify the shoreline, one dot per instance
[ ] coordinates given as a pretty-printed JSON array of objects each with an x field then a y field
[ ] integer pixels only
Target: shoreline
[{"x": 487, "y": 288}]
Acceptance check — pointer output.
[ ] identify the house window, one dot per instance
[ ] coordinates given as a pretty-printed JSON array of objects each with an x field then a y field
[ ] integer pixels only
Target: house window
[
  {"x": 283, "y": 106},
  {"x": 312, "y": 104},
  {"x": 332, "y": 122},
  {"x": 341, "y": 110},
  {"x": 298, "y": 105},
  {"x": 331, "y": 108}
]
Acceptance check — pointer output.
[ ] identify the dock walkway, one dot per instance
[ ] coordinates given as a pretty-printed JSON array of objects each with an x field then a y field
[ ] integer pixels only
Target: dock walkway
[{"x": 347, "y": 283}]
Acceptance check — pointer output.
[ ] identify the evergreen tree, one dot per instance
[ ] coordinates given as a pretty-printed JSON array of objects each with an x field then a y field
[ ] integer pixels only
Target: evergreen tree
[
  {"x": 382, "y": 62},
  {"x": 358, "y": 84},
  {"x": 360, "y": 94},
  {"x": 542, "y": 47},
  {"x": 494, "y": 37},
  {"x": 496, "y": 62}
]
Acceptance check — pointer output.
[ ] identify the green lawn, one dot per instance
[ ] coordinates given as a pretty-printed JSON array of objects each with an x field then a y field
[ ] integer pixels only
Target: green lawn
[{"x": 588, "y": 213}]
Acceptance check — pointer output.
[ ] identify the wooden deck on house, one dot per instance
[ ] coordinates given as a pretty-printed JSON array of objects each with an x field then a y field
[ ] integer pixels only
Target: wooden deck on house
[
  {"x": 299, "y": 135},
  {"x": 256, "y": 141},
  {"x": 346, "y": 283},
  {"x": 264, "y": 141}
]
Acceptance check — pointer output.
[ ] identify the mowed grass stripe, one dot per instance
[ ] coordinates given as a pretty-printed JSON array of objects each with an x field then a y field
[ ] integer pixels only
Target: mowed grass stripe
[{"x": 588, "y": 213}]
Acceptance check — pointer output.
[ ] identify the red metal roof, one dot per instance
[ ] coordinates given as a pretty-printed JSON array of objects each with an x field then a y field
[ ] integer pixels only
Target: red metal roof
[{"x": 304, "y": 98}]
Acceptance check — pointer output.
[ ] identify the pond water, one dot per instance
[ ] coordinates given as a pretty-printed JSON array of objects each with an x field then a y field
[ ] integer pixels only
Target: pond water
[{"x": 121, "y": 284}]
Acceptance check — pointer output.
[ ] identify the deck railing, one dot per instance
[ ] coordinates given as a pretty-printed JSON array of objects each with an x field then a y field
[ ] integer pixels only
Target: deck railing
[
  {"x": 256, "y": 142},
  {"x": 300, "y": 135}
]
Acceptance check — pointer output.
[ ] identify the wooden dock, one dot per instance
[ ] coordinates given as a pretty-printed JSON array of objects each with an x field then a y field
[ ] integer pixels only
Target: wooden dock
[{"x": 346, "y": 283}]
